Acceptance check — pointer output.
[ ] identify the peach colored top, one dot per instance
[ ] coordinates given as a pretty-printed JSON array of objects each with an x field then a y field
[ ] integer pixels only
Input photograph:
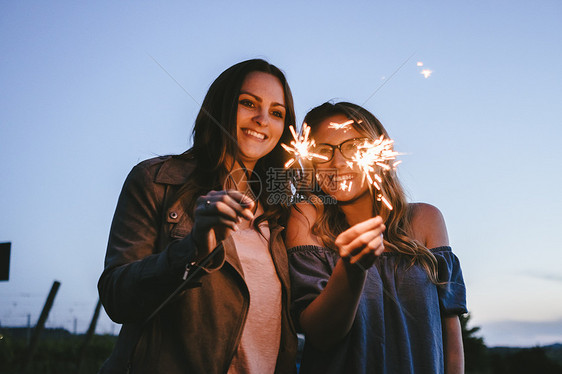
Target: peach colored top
[{"x": 259, "y": 345}]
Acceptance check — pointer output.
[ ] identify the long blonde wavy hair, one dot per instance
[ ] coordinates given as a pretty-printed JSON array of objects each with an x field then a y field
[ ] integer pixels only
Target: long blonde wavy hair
[{"x": 332, "y": 221}]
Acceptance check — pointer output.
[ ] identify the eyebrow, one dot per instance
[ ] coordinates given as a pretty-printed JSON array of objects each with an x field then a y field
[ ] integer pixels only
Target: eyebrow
[{"x": 260, "y": 99}]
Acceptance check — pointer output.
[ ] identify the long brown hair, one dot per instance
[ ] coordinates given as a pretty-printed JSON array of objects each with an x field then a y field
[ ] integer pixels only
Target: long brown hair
[
  {"x": 398, "y": 233},
  {"x": 215, "y": 138}
]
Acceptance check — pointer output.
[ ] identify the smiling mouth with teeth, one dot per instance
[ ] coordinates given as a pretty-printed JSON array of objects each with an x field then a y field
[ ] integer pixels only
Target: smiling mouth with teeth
[
  {"x": 255, "y": 134},
  {"x": 341, "y": 178}
]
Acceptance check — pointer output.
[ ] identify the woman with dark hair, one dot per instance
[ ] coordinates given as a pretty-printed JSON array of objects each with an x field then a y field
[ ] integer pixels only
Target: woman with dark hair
[
  {"x": 375, "y": 288},
  {"x": 196, "y": 270}
]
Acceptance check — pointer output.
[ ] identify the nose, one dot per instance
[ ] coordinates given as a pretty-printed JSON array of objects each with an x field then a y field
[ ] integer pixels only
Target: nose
[
  {"x": 262, "y": 117},
  {"x": 338, "y": 160}
]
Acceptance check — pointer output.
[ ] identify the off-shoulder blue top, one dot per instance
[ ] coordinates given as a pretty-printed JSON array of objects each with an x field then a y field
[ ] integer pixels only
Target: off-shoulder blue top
[{"x": 397, "y": 328}]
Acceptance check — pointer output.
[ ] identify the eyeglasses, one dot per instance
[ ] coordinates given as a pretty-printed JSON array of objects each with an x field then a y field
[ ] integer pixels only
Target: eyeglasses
[{"x": 348, "y": 149}]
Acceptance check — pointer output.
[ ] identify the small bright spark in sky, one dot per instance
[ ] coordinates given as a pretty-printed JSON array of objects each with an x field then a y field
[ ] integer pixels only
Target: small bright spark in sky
[
  {"x": 426, "y": 73},
  {"x": 419, "y": 63}
]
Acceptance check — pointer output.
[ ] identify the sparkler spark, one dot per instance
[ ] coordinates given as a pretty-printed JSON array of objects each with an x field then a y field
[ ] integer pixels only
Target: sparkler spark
[
  {"x": 300, "y": 146},
  {"x": 346, "y": 187},
  {"x": 371, "y": 154},
  {"x": 340, "y": 126},
  {"x": 419, "y": 63},
  {"x": 385, "y": 201},
  {"x": 426, "y": 73}
]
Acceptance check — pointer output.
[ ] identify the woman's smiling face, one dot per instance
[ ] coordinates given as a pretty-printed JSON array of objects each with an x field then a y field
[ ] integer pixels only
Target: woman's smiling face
[
  {"x": 260, "y": 118},
  {"x": 338, "y": 177}
]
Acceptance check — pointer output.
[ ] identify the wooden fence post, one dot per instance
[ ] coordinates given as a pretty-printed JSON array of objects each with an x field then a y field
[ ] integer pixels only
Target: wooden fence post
[
  {"x": 40, "y": 325},
  {"x": 89, "y": 336}
]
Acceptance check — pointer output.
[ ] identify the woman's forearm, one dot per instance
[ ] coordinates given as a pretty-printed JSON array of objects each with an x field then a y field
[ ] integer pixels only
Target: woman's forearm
[
  {"x": 330, "y": 316},
  {"x": 452, "y": 345}
]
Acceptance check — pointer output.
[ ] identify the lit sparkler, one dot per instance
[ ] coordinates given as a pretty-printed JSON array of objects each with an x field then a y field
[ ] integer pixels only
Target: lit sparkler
[
  {"x": 301, "y": 146},
  {"x": 371, "y": 154}
]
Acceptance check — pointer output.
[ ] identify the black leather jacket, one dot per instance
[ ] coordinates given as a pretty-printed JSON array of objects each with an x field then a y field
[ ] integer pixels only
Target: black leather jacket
[{"x": 148, "y": 250}]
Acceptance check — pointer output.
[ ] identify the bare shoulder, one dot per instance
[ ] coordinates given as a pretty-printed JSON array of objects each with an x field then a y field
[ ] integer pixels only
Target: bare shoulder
[
  {"x": 299, "y": 225},
  {"x": 428, "y": 225},
  {"x": 425, "y": 211}
]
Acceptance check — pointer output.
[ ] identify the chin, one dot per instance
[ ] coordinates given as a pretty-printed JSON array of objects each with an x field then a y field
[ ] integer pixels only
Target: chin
[
  {"x": 346, "y": 196},
  {"x": 254, "y": 156}
]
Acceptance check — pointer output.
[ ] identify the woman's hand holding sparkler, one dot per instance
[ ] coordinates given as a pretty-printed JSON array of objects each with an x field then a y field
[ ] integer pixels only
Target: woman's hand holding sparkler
[
  {"x": 362, "y": 243},
  {"x": 328, "y": 319},
  {"x": 216, "y": 216}
]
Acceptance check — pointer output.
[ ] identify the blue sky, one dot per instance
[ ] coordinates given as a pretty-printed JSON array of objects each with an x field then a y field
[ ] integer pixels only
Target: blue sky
[{"x": 83, "y": 99}]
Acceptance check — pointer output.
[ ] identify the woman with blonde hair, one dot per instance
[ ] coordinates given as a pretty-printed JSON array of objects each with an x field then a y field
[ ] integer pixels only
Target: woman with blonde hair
[{"x": 375, "y": 290}]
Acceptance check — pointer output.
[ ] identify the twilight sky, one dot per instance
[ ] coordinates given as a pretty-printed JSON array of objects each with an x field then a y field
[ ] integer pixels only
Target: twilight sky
[{"x": 89, "y": 90}]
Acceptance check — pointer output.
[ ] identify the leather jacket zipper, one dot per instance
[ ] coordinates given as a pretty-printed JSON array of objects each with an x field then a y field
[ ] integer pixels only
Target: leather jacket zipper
[{"x": 188, "y": 268}]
